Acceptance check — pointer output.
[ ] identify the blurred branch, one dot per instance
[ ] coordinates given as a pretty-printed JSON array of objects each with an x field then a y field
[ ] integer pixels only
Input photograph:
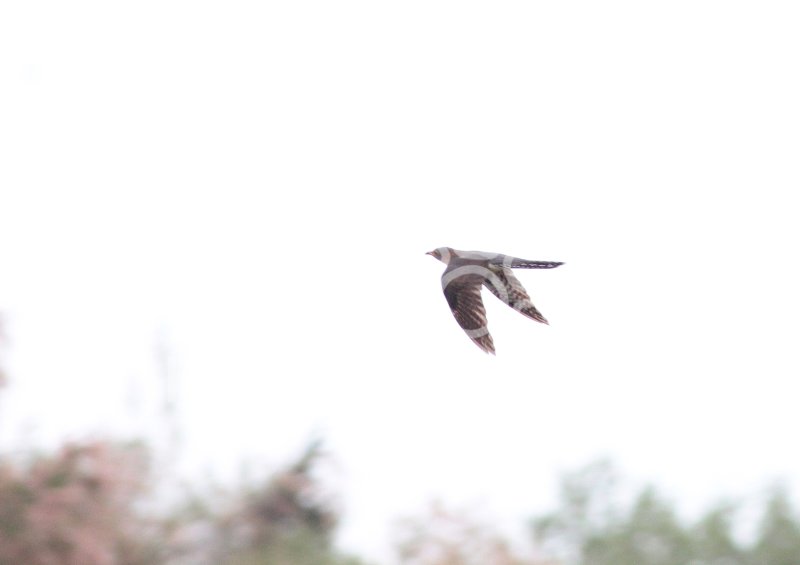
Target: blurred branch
[
  {"x": 165, "y": 368},
  {"x": 3, "y": 350}
]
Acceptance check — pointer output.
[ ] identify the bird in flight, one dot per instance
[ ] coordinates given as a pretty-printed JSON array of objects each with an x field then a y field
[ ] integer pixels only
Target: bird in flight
[{"x": 468, "y": 271}]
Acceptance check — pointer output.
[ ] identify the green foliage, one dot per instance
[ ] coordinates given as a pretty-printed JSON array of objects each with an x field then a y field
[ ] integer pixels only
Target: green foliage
[
  {"x": 779, "y": 536},
  {"x": 299, "y": 547},
  {"x": 287, "y": 520},
  {"x": 291, "y": 501},
  {"x": 712, "y": 540},
  {"x": 592, "y": 527},
  {"x": 586, "y": 512},
  {"x": 650, "y": 535}
]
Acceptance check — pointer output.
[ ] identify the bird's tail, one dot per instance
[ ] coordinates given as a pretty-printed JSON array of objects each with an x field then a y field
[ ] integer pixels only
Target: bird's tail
[{"x": 517, "y": 263}]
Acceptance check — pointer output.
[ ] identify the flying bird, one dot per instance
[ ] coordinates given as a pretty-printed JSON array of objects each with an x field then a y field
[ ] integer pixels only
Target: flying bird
[{"x": 468, "y": 271}]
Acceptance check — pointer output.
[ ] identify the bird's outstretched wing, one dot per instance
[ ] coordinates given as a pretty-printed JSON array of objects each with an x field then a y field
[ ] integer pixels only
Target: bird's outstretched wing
[
  {"x": 512, "y": 293},
  {"x": 463, "y": 294}
]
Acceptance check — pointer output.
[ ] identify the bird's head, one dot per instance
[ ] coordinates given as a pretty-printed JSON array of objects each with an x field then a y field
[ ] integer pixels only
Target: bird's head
[{"x": 443, "y": 254}]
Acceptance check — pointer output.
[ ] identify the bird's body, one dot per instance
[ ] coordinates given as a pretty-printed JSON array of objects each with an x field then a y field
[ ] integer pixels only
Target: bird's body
[{"x": 468, "y": 271}]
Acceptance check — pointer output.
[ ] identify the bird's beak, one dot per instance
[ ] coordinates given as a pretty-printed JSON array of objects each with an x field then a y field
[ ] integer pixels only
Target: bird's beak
[{"x": 429, "y": 253}]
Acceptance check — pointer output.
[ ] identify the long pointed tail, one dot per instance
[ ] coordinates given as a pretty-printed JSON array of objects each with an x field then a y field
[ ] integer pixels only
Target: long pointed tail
[{"x": 526, "y": 264}]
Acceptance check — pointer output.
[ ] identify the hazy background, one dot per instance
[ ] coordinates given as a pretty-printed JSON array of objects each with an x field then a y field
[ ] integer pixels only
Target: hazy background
[{"x": 251, "y": 187}]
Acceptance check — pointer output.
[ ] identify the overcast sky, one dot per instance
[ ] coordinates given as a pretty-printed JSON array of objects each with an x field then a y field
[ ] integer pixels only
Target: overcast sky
[{"x": 255, "y": 185}]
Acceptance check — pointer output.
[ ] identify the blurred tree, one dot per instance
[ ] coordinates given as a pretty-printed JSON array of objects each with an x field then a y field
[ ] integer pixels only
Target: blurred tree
[
  {"x": 76, "y": 508},
  {"x": 292, "y": 500},
  {"x": 592, "y": 527},
  {"x": 712, "y": 539},
  {"x": 443, "y": 537},
  {"x": 287, "y": 521},
  {"x": 79, "y": 507},
  {"x": 586, "y": 511},
  {"x": 649, "y": 535},
  {"x": 778, "y": 540}
]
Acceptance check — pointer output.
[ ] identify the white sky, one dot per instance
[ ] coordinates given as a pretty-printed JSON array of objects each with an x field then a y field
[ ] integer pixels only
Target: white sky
[{"x": 259, "y": 181}]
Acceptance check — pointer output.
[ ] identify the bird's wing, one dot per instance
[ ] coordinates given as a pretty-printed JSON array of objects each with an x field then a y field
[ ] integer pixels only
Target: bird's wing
[
  {"x": 463, "y": 294},
  {"x": 505, "y": 286}
]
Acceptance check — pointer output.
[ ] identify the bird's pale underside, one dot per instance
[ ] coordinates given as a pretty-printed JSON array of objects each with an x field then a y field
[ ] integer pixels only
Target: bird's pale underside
[{"x": 469, "y": 271}]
